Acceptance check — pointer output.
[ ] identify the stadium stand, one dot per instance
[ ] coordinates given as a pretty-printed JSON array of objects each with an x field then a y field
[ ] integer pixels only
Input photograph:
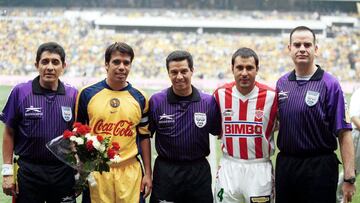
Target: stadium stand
[{"x": 84, "y": 36}]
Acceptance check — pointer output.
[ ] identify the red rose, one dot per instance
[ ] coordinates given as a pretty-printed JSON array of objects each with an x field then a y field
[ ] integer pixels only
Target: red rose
[
  {"x": 77, "y": 124},
  {"x": 115, "y": 146},
  {"x": 89, "y": 145},
  {"x": 99, "y": 138},
  {"x": 87, "y": 129},
  {"x": 111, "y": 153},
  {"x": 83, "y": 129},
  {"x": 67, "y": 134}
]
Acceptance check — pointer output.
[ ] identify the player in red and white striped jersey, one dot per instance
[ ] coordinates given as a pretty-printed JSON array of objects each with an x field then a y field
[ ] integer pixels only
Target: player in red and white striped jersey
[{"x": 248, "y": 118}]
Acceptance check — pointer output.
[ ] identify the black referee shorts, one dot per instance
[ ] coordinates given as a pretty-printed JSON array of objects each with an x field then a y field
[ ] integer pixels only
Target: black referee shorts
[
  {"x": 181, "y": 182},
  {"x": 306, "y": 179},
  {"x": 46, "y": 182}
]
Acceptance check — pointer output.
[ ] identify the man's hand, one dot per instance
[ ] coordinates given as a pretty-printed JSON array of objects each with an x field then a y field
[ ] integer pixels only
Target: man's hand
[
  {"x": 348, "y": 191},
  {"x": 146, "y": 185},
  {"x": 8, "y": 185}
]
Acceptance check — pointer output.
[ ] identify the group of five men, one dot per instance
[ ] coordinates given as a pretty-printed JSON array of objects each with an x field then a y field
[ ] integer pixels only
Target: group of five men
[{"x": 308, "y": 102}]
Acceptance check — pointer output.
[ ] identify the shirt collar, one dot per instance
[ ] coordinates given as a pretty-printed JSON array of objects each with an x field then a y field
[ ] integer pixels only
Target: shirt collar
[
  {"x": 127, "y": 87},
  {"x": 37, "y": 89},
  {"x": 173, "y": 98},
  {"x": 316, "y": 77}
]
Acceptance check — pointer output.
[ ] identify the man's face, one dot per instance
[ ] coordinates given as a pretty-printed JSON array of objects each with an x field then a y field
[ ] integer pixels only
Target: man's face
[
  {"x": 180, "y": 75},
  {"x": 244, "y": 71},
  {"x": 118, "y": 68},
  {"x": 302, "y": 48},
  {"x": 50, "y": 68}
]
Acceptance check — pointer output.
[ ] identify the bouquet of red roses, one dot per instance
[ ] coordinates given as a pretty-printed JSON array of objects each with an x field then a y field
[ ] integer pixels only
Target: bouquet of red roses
[{"x": 85, "y": 153}]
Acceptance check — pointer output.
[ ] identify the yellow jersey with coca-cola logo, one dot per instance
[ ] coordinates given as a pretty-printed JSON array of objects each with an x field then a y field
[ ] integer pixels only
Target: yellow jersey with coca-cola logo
[{"x": 120, "y": 114}]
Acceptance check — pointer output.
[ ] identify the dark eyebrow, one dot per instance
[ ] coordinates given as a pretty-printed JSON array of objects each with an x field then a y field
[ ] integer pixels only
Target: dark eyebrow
[{"x": 118, "y": 61}]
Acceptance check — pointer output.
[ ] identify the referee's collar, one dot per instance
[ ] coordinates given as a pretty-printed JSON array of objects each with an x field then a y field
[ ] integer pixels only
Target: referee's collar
[
  {"x": 316, "y": 77},
  {"x": 37, "y": 89},
  {"x": 173, "y": 98}
]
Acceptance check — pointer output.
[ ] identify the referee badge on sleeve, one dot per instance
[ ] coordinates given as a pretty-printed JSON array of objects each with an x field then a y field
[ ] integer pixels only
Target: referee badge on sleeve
[
  {"x": 66, "y": 113},
  {"x": 311, "y": 98},
  {"x": 200, "y": 119}
]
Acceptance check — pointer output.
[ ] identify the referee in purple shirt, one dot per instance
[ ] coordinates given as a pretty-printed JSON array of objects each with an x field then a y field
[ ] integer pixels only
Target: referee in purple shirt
[
  {"x": 312, "y": 118},
  {"x": 182, "y": 118},
  {"x": 36, "y": 112}
]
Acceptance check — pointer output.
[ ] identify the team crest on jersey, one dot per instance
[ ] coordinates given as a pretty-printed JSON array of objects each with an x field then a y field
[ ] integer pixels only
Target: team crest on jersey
[
  {"x": 228, "y": 113},
  {"x": 66, "y": 113},
  {"x": 259, "y": 114},
  {"x": 200, "y": 119},
  {"x": 311, "y": 98},
  {"x": 114, "y": 102}
]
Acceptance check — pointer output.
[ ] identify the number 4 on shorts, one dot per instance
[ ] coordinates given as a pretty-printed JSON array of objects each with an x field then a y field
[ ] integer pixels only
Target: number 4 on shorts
[{"x": 220, "y": 194}]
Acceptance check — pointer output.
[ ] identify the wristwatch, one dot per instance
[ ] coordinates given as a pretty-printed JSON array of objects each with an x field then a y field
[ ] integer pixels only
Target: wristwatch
[{"x": 350, "y": 180}]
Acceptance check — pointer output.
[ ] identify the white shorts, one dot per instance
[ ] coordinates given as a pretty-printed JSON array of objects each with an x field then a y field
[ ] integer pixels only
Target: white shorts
[{"x": 244, "y": 181}]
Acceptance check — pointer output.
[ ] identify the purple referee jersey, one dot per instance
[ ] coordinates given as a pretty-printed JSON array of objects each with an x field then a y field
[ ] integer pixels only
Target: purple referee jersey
[
  {"x": 37, "y": 116},
  {"x": 311, "y": 114},
  {"x": 182, "y": 124}
]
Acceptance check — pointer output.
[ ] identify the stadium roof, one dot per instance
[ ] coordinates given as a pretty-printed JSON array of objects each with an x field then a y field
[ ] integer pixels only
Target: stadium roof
[{"x": 240, "y": 25}]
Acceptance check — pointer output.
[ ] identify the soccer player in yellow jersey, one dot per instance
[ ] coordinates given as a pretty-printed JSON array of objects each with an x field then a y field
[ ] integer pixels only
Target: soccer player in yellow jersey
[{"x": 113, "y": 107}]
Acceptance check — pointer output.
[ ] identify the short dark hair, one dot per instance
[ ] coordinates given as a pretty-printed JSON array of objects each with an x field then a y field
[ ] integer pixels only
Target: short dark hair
[
  {"x": 120, "y": 47},
  {"x": 245, "y": 52},
  {"x": 51, "y": 47},
  {"x": 303, "y": 28},
  {"x": 180, "y": 55}
]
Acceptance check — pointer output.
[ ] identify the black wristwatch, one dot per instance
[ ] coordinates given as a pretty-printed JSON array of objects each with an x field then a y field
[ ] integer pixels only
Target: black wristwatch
[{"x": 350, "y": 180}]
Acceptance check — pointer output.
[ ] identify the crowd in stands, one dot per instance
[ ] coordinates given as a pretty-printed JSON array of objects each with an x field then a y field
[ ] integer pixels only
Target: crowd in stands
[
  {"x": 23, "y": 30},
  {"x": 178, "y": 13}
]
